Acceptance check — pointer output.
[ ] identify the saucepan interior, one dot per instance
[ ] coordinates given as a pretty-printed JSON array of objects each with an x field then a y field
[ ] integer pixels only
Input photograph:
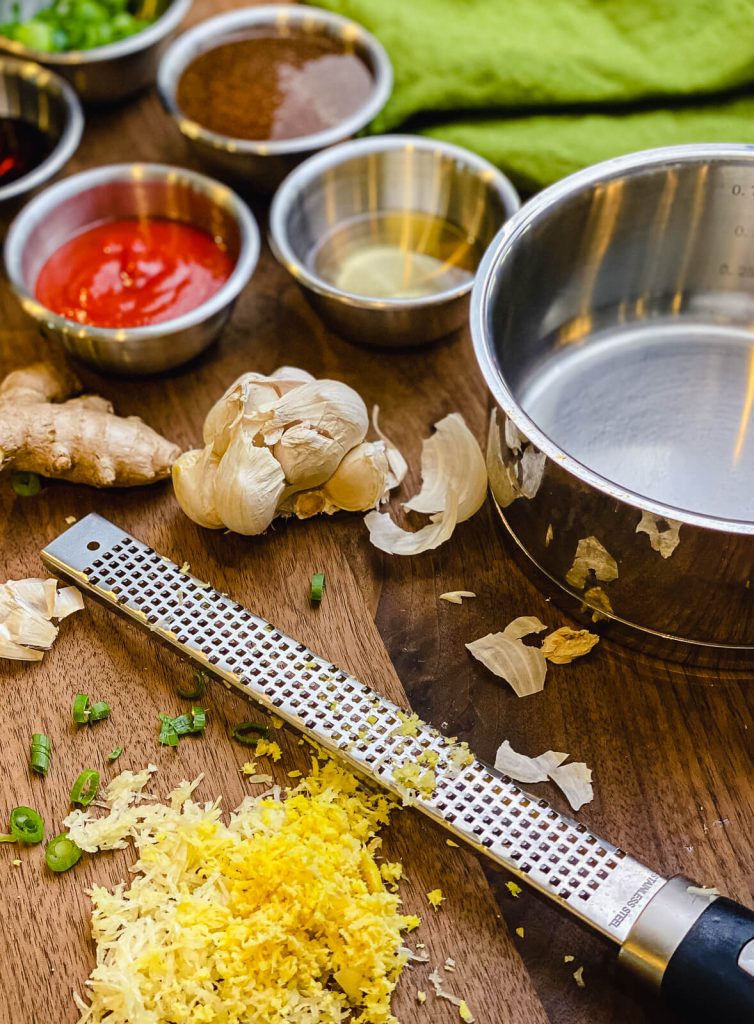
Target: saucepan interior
[{"x": 619, "y": 320}]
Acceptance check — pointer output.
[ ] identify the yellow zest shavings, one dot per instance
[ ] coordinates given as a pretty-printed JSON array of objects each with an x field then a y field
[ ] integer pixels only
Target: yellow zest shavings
[
  {"x": 520, "y": 932},
  {"x": 279, "y": 917},
  {"x": 391, "y": 873},
  {"x": 449, "y": 842},
  {"x": 565, "y": 644},
  {"x": 513, "y": 889},
  {"x": 268, "y": 748},
  {"x": 295, "y": 773},
  {"x": 568, "y": 959},
  {"x": 276, "y": 723},
  {"x": 465, "y": 1013},
  {"x": 414, "y": 778},
  {"x": 460, "y": 756},
  {"x": 16, "y": 863},
  {"x": 248, "y": 768},
  {"x": 421, "y": 997},
  {"x": 70, "y": 520},
  {"x": 372, "y": 719},
  {"x": 409, "y": 725},
  {"x": 411, "y": 922},
  {"x": 578, "y": 977},
  {"x": 435, "y": 897}
]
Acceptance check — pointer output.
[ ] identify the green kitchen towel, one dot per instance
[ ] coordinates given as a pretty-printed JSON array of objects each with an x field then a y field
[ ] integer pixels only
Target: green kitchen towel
[{"x": 544, "y": 87}]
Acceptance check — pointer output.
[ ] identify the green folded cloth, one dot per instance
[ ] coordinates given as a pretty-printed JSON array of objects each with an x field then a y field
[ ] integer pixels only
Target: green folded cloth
[{"x": 544, "y": 87}]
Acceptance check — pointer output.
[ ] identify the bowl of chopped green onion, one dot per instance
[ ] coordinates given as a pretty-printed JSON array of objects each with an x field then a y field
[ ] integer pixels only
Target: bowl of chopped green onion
[{"x": 106, "y": 49}]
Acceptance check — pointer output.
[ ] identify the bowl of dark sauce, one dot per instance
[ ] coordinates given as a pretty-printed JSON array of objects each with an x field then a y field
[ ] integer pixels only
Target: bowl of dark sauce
[
  {"x": 40, "y": 126},
  {"x": 257, "y": 90}
]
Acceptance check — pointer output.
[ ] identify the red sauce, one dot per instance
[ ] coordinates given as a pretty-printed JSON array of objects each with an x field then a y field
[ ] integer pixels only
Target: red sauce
[{"x": 131, "y": 273}]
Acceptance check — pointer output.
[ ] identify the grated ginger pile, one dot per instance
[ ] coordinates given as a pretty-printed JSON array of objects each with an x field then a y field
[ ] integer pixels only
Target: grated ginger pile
[{"x": 280, "y": 917}]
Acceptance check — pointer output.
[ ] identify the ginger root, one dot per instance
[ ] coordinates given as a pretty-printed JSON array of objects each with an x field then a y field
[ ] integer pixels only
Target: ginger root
[{"x": 44, "y": 430}]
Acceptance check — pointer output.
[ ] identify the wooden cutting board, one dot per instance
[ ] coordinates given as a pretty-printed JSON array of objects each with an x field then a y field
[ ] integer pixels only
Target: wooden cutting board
[{"x": 670, "y": 746}]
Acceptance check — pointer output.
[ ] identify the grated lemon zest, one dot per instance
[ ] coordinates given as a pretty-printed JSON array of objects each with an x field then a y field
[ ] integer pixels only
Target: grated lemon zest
[{"x": 246, "y": 921}]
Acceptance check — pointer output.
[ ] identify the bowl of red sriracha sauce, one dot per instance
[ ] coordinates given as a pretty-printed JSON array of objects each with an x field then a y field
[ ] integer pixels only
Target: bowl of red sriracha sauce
[{"x": 134, "y": 268}]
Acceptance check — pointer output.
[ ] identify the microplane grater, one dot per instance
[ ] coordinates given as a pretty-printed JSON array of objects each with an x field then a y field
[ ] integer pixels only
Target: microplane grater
[{"x": 478, "y": 805}]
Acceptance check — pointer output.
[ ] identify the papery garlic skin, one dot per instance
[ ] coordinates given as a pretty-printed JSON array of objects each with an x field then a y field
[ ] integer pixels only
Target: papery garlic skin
[{"x": 248, "y": 485}]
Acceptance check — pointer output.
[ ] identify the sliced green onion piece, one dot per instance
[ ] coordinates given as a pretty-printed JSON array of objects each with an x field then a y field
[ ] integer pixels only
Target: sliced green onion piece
[
  {"x": 248, "y": 734},
  {"x": 61, "y": 853},
  {"x": 81, "y": 708},
  {"x": 99, "y": 711},
  {"x": 183, "y": 725},
  {"x": 317, "y": 588},
  {"x": 168, "y": 735},
  {"x": 199, "y": 719},
  {"x": 115, "y": 754},
  {"x": 26, "y": 825},
  {"x": 41, "y": 748},
  {"x": 26, "y": 485},
  {"x": 198, "y": 691},
  {"x": 85, "y": 788}
]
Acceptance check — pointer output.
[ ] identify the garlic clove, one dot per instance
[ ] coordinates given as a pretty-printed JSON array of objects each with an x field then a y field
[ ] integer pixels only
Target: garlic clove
[
  {"x": 36, "y": 594},
  {"x": 361, "y": 481},
  {"x": 194, "y": 475},
  {"x": 291, "y": 375},
  {"x": 452, "y": 457},
  {"x": 30, "y": 629},
  {"x": 248, "y": 485}
]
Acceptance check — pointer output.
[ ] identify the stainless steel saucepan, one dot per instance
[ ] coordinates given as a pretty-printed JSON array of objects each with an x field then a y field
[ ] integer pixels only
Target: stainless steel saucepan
[{"x": 613, "y": 320}]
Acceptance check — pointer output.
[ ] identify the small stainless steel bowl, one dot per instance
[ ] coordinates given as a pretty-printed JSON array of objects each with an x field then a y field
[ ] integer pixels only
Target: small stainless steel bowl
[
  {"x": 131, "y": 190},
  {"x": 612, "y": 319},
  {"x": 387, "y": 173},
  {"x": 34, "y": 94},
  {"x": 111, "y": 72},
  {"x": 265, "y": 163}
]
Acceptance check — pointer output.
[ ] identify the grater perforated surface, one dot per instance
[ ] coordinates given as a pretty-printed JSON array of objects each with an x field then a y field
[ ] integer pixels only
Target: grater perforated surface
[{"x": 478, "y": 805}]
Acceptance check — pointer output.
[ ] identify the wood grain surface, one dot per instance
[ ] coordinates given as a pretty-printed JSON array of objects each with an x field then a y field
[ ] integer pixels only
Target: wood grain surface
[{"x": 670, "y": 746}]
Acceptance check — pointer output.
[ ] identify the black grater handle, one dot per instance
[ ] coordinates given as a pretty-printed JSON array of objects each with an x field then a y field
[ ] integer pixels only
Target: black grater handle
[{"x": 710, "y": 976}]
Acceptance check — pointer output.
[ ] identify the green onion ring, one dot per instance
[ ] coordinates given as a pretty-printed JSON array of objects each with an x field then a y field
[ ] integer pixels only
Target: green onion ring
[
  {"x": 26, "y": 825},
  {"x": 85, "y": 788},
  {"x": 81, "y": 708},
  {"x": 62, "y": 853}
]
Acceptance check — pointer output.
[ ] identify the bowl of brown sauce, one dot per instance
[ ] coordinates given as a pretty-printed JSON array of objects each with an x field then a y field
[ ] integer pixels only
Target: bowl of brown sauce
[
  {"x": 258, "y": 90},
  {"x": 385, "y": 234},
  {"x": 40, "y": 126}
]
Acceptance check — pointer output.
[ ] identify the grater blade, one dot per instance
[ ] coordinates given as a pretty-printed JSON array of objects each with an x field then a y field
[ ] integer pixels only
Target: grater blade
[{"x": 562, "y": 859}]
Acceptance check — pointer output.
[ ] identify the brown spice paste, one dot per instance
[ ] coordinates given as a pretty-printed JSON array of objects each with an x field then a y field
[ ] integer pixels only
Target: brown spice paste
[{"x": 274, "y": 87}]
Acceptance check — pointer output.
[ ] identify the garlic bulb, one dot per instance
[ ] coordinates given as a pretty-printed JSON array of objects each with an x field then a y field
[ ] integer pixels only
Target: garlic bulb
[{"x": 284, "y": 444}]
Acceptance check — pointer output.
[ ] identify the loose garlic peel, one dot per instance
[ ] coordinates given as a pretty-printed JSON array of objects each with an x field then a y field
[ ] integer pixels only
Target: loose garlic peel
[
  {"x": 454, "y": 486},
  {"x": 26, "y": 608},
  {"x": 284, "y": 444}
]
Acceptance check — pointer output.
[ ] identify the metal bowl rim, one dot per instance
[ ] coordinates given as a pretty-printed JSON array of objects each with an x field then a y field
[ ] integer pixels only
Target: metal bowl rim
[
  {"x": 484, "y": 289},
  {"x": 316, "y": 165},
  {"x": 46, "y": 81},
  {"x": 154, "y": 33},
  {"x": 175, "y": 60},
  {"x": 248, "y": 253}
]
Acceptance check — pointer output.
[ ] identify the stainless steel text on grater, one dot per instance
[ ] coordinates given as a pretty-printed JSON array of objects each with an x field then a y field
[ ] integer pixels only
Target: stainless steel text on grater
[{"x": 474, "y": 802}]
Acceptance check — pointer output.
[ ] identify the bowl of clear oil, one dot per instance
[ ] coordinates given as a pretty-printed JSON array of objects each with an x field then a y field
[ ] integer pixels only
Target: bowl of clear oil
[{"x": 385, "y": 234}]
